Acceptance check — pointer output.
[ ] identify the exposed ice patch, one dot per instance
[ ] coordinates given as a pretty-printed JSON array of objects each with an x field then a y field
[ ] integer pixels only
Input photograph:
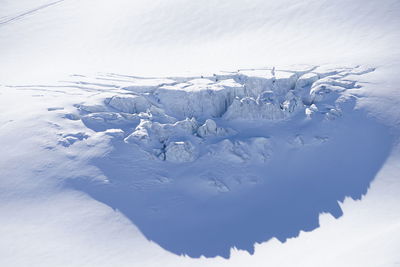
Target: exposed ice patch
[
  {"x": 129, "y": 103},
  {"x": 182, "y": 151},
  {"x": 200, "y": 98},
  {"x": 171, "y": 118},
  {"x": 210, "y": 128},
  {"x": 306, "y": 80}
]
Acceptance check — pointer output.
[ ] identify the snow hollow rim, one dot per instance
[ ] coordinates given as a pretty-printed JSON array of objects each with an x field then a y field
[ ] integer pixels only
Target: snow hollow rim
[{"x": 191, "y": 167}]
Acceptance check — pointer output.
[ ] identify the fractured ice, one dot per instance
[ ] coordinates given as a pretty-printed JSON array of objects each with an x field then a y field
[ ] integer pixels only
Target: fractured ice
[{"x": 171, "y": 118}]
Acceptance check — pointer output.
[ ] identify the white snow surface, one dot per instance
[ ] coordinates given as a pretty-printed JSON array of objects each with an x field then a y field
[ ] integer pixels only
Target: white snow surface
[{"x": 199, "y": 133}]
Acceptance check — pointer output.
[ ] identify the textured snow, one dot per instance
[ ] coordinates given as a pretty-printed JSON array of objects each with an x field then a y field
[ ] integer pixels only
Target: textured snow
[
  {"x": 229, "y": 139},
  {"x": 210, "y": 128},
  {"x": 256, "y": 149},
  {"x": 129, "y": 104},
  {"x": 182, "y": 151},
  {"x": 77, "y": 190},
  {"x": 171, "y": 121}
]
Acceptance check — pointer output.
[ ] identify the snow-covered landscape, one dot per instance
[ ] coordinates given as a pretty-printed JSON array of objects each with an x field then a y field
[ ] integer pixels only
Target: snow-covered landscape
[{"x": 214, "y": 133}]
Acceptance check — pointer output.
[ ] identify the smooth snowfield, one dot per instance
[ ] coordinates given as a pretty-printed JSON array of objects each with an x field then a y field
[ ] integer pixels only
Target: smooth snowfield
[
  {"x": 140, "y": 38},
  {"x": 113, "y": 169}
]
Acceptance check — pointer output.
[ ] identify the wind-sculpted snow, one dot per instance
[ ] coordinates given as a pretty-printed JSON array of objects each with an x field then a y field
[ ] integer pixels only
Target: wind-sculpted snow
[{"x": 206, "y": 164}]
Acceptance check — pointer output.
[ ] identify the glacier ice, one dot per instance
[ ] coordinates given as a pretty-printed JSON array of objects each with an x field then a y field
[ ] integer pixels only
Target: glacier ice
[
  {"x": 184, "y": 118},
  {"x": 182, "y": 151},
  {"x": 210, "y": 128},
  {"x": 129, "y": 103}
]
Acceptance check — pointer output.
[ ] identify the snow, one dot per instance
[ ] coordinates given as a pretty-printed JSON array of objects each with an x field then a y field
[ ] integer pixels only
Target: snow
[
  {"x": 210, "y": 128},
  {"x": 171, "y": 122},
  {"x": 129, "y": 104},
  {"x": 306, "y": 80},
  {"x": 198, "y": 98},
  {"x": 257, "y": 149},
  {"x": 131, "y": 136},
  {"x": 182, "y": 151}
]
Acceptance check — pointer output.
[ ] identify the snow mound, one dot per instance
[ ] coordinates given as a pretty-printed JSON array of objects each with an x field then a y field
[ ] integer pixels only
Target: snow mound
[{"x": 129, "y": 104}]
